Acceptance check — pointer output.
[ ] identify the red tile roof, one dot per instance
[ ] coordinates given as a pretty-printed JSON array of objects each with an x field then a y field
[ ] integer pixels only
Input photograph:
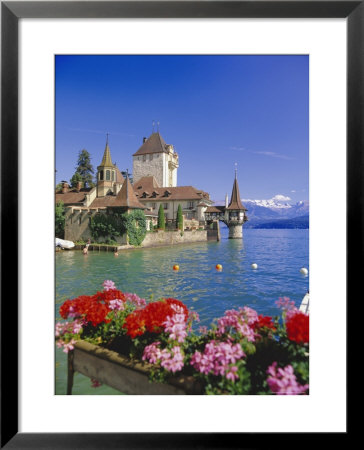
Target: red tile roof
[
  {"x": 72, "y": 196},
  {"x": 148, "y": 185},
  {"x": 154, "y": 144},
  {"x": 126, "y": 196},
  {"x": 215, "y": 209}
]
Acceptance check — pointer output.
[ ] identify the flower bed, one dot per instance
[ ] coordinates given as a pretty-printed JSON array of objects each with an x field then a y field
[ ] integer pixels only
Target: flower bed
[{"x": 133, "y": 345}]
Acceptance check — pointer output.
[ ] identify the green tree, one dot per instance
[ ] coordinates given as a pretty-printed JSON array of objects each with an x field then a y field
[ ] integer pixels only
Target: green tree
[
  {"x": 85, "y": 168},
  {"x": 161, "y": 218},
  {"x": 59, "y": 187},
  {"x": 59, "y": 220},
  {"x": 179, "y": 218},
  {"x": 76, "y": 179}
]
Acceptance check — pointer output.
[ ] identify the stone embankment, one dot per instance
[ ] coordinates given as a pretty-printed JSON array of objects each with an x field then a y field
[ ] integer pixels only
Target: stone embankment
[
  {"x": 164, "y": 238},
  {"x": 161, "y": 238}
]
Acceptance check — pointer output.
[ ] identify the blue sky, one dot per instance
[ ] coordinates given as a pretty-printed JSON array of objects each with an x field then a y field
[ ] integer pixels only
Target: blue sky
[{"x": 216, "y": 110}]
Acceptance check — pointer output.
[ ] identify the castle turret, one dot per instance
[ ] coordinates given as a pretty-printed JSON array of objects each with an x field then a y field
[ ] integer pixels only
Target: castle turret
[
  {"x": 156, "y": 159},
  {"x": 106, "y": 173},
  {"x": 235, "y": 213}
]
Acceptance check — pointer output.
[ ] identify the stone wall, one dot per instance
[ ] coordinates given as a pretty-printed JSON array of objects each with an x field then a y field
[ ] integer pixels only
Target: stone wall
[
  {"x": 77, "y": 224},
  {"x": 161, "y": 238},
  {"x": 148, "y": 165}
]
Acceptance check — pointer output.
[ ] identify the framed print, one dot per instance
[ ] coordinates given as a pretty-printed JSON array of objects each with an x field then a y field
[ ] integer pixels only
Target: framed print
[{"x": 248, "y": 88}]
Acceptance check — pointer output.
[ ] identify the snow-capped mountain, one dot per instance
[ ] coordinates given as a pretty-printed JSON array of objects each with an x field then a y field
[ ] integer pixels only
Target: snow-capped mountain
[
  {"x": 274, "y": 209},
  {"x": 277, "y": 202}
]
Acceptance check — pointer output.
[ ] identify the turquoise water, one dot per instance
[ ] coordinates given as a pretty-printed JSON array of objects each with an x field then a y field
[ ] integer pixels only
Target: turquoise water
[{"x": 279, "y": 254}]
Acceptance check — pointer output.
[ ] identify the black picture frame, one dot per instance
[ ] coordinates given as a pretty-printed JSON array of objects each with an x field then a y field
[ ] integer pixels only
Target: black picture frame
[{"x": 11, "y": 12}]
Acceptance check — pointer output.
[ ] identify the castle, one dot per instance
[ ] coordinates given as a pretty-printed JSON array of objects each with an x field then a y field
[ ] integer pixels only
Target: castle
[{"x": 155, "y": 166}]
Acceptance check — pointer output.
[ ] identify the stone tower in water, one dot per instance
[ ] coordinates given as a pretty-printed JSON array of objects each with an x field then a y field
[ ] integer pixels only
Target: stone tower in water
[{"x": 235, "y": 213}]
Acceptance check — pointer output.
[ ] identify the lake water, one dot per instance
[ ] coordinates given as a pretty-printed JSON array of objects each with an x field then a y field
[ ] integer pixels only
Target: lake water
[{"x": 279, "y": 254}]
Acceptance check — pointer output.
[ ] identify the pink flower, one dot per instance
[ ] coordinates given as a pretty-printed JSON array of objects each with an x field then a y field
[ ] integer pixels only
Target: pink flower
[
  {"x": 152, "y": 353},
  {"x": 69, "y": 327},
  {"x": 108, "y": 284},
  {"x": 218, "y": 358},
  {"x": 60, "y": 343},
  {"x": 283, "y": 381},
  {"x": 285, "y": 303},
  {"x": 117, "y": 305},
  {"x": 232, "y": 375},
  {"x": 66, "y": 346},
  {"x": 135, "y": 300},
  {"x": 241, "y": 321},
  {"x": 176, "y": 325},
  {"x": 172, "y": 360}
]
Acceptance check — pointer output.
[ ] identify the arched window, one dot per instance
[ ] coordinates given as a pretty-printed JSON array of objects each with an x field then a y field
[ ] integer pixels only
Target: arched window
[
  {"x": 108, "y": 175},
  {"x": 101, "y": 174}
]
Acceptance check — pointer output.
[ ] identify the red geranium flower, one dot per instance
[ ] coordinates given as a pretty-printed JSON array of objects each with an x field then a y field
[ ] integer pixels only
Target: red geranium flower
[
  {"x": 152, "y": 317},
  {"x": 264, "y": 322},
  {"x": 93, "y": 308},
  {"x": 297, "y": 326}
]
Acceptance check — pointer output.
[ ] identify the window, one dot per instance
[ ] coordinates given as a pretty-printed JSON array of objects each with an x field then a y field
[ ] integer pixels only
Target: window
[
  {"x": 144, "y": 158},
  {"x": 150, "y": 157},
  {"x": 191, "y": 205},
  {"x": 108, "y": 175},
  {"x": 101, "y": 174},
  {"x": 165, "y": 205},
  {"x": 152, "y": 205},
  {"x": 79, "y": 220}
]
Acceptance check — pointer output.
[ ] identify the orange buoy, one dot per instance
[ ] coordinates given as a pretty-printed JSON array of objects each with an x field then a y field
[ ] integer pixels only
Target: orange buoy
[
  {"x": 218, "y": 267},
  {"x": 176, "y": 267}
]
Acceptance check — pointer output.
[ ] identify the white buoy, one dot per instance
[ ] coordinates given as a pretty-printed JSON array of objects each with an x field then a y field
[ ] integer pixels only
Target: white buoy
[
  {"x": 254, "y": 266},
  {"x": 304, "y": 271}
]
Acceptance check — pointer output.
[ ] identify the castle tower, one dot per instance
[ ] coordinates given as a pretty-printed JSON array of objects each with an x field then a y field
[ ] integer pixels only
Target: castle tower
[
  {"x": 156, "y": 158},
  {"x": 235, "y": 213},
  {"x": 106, "y": 173}
]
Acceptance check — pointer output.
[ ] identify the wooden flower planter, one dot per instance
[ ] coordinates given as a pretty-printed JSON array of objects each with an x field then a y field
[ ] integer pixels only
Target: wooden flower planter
[{"x": 123, "y": 374}]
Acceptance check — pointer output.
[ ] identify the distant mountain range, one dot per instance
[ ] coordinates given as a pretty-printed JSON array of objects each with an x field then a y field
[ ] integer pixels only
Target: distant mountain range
[{"x": 276, "y": 213}]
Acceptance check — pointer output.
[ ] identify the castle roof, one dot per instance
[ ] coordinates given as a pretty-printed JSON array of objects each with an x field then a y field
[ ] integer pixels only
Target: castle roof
[
  {"x": 235, "y": 201},
  {"x": 146, "y": 183},
  {"x": 154, "y": 144},
  {"x": 126, "y": 197},
  {"x": 215, "y": 209},
  {"x": 72, "y": 197},
  {"x": 149, "y": 187}
]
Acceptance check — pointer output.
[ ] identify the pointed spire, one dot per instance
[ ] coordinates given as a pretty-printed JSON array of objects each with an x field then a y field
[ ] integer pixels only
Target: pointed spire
[
  {"x": 126, "y": 197},
  {"x": 235, "y": 201},
  {"x": 106, "y": 159}
]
